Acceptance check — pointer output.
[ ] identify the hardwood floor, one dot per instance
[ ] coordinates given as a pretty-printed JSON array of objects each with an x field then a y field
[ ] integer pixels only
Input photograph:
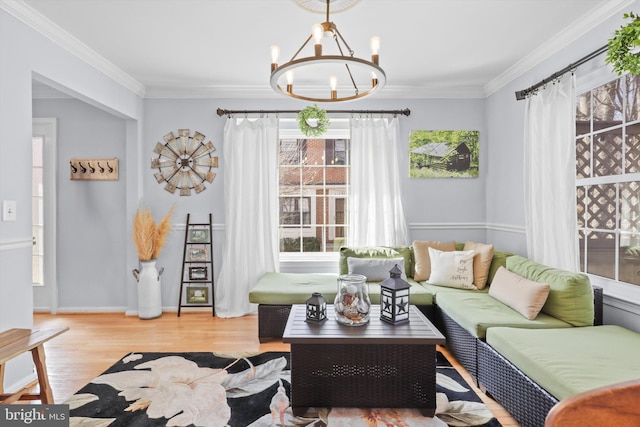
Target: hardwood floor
[{"x": 95, "y": 341}]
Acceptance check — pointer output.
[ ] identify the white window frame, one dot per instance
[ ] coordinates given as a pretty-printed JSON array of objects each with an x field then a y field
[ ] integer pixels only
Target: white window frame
[
  {"x": 318, "y": 262},
  {"x": 48, "y": 129},
  {"x": 588, "y": 77}
]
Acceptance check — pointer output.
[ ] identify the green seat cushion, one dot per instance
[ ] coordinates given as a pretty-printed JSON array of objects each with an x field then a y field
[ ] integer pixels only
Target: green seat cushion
[
  {"x": 376, "y": 252},
  {"x": 436, "y": 290},
  {"x": 292, "y": 288},
  {"x": 571, "y": 295},
  {"x": 477, "y": 311},
  {"x": 569, "y": 361},
  {"x": 296, "y": 288}
]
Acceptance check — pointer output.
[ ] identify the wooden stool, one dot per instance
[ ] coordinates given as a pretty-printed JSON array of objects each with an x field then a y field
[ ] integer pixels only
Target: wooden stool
[{"x": 13, "y": 343}]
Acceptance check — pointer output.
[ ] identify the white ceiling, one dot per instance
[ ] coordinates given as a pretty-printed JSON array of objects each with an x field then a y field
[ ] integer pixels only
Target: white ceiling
[{"x": 220, "y": 48}]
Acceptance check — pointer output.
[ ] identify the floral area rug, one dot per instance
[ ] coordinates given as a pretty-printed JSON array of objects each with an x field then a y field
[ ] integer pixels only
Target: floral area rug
[{"x": 243, "y": 390}]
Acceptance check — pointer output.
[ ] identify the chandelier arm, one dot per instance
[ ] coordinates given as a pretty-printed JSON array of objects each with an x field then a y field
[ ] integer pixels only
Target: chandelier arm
[
  {"x": 355, "y": 86},
  {"x": 301, "y": 47},
  {"x": 351, "y": 53}
]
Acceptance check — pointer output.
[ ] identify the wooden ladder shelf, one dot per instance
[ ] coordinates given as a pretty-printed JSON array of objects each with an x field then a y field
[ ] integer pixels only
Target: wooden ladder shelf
[{"x": 196, "y": 280}]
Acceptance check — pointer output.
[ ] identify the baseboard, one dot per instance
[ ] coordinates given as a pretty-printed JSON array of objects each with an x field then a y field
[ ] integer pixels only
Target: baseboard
[
  {"x": 71, "y": 310},
  {"x": 21, "y": 383}
]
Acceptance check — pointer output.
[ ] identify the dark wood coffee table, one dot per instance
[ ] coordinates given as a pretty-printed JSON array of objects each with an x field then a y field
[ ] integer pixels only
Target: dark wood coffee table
[{"x": 377, "y": 365}]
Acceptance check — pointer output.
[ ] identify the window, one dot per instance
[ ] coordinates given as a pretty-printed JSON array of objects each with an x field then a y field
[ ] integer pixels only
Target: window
[
  {"x": 313, "y": 189},
  {"x": 37, "y": 210},
  {"x": 295, "y": 210},
  {"x": 608, "y": 179}
]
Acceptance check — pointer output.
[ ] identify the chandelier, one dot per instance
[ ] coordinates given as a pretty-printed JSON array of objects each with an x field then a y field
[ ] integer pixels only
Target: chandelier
[{"x": 343, "y": 76}]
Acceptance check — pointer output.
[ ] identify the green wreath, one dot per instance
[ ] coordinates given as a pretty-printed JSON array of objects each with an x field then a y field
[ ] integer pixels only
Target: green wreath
[
  {"x": 318, "y": 116},
  {"x": 622, "y": 47}
]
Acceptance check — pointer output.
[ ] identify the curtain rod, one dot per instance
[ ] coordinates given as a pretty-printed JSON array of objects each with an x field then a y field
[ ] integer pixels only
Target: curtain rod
[
  {"x": 522, "y": 94},
  {"x": 221, "y": 112}
]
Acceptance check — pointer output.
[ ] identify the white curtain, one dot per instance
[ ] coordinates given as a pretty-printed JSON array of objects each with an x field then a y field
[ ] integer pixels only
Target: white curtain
[
  {"x": 549, "y": 176},
  {"x": 250, "y": 162},
  {"x": 376, "y": 213}
]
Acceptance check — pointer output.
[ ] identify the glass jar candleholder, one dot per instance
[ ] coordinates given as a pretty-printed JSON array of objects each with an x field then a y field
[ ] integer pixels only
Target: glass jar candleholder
[{"x": 352, "y": 304}]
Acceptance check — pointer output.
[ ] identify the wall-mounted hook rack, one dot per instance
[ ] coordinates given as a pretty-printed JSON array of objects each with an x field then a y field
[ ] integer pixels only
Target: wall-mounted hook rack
[{"x": 103, "y": 169}]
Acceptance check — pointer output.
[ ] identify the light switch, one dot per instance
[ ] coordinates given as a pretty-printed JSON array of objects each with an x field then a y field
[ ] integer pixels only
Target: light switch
[{"x": 8, "y": 210}]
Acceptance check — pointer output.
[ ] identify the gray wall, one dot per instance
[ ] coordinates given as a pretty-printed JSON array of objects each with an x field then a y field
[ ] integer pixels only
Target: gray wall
[
  {"x": 505, "y": 123},
  {"x": 91, "y": 214},
  {"x": 435, "y": 208},
  {"x": 27, "y": 54},
  {"x": 488, "y": 208}
]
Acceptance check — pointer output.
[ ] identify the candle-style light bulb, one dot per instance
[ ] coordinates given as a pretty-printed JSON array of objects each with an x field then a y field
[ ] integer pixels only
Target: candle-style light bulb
[
  {"x": 317, "y": 31},
  {"x": 289, "y": 76},
  {"x": 333, "y": 82},
  {"x": 374, "y": 79},
  {"x": 275, "y": 53},
  {"x": 375, "y": 49}
]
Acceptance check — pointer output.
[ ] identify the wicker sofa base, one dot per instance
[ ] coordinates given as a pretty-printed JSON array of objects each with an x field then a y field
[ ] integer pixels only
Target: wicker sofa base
[
  {"x": 525, "y": 400},
  {"x": 272, "y": 319},
  {"x": 460, "y": 343}
]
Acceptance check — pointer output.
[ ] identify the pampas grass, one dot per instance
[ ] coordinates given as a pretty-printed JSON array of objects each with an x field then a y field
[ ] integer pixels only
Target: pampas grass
[{"x": 148, "y": 236}]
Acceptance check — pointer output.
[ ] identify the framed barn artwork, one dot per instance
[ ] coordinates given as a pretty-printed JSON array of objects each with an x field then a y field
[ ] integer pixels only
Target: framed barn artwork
[{"x": 444, "y": 154}]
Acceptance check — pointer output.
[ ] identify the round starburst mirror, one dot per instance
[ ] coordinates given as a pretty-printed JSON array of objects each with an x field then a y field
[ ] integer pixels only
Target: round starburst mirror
[{"x": 185, "y": 162}]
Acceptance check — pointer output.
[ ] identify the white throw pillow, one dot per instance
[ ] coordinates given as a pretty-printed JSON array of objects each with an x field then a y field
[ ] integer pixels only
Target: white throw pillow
[
  {"x": 375, "y": 269},
  {"x": 453, "y": 268},
  {"x": 521, "y": 294}
]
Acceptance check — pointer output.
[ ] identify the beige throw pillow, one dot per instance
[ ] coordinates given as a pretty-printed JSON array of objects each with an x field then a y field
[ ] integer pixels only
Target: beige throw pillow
[
  {"x": 453, "y": 269},
  {"x": 481, "y": 262},
  {"x": 421, "y": 254},
  {"x": 523, "y": 295}
]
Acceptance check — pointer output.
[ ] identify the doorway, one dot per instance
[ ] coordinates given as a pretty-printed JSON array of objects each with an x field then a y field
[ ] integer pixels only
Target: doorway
[{"x": 43, "y": 218}]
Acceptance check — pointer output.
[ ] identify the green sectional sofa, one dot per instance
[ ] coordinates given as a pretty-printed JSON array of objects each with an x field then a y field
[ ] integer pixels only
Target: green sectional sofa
[{"x": 471, "y": 319}]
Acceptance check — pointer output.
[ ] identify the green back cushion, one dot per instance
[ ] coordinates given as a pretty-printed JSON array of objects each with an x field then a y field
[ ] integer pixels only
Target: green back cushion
[
  {"x": 499, "y": 260},
  {"x": 376, "y": 252},
  {"x": 571, "y": 295}
]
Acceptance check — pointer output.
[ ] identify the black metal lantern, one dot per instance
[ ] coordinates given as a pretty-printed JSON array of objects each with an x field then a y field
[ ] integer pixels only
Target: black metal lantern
[
  {"x": 394, "y": 298},
  {"x": 316, "y": 308}
]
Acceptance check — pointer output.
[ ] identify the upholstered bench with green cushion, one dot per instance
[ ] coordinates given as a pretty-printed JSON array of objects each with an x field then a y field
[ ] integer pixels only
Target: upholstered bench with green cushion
[{"x": 529, "y": 371}]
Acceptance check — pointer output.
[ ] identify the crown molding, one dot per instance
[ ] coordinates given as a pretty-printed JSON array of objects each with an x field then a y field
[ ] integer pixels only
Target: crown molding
[
  {"x": 563, "y": 39},
  {"x": 265, "y": 92},
  {"x": 41, "y": 24},
  {"x": 53, "y": 32}
]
